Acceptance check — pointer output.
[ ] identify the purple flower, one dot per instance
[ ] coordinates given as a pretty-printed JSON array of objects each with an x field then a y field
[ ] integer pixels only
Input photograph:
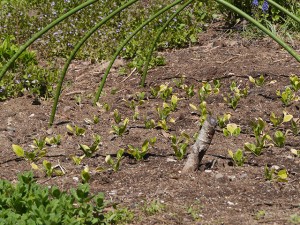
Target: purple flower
[
  {"x": 265, "y": 6},
  {"x": 255, "y": 3}
]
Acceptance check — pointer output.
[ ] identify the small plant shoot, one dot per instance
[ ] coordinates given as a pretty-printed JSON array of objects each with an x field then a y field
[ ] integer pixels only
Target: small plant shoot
[{"x": 237, "y": 157}]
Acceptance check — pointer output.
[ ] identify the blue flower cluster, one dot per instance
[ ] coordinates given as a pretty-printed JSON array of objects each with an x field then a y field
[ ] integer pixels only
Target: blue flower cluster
[{"x": 264, "y": 7}]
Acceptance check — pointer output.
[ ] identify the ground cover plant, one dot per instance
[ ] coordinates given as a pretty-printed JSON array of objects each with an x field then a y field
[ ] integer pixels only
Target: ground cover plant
[{"x": 250, "y": 172}]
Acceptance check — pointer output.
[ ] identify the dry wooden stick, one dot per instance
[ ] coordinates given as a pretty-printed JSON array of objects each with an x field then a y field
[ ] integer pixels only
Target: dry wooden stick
[{"x": 201, "y": 145}]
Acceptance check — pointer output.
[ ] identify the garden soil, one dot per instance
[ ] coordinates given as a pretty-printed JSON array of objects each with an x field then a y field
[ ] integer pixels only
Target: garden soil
[{"x": 219, "y": 192}]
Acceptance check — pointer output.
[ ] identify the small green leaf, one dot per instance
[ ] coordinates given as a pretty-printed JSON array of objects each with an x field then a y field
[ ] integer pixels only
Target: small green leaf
[{"x": 19, "y": 151}]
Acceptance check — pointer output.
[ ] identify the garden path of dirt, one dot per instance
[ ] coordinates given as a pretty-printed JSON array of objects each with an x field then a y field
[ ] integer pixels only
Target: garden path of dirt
[{"x": 218, "y": 193}]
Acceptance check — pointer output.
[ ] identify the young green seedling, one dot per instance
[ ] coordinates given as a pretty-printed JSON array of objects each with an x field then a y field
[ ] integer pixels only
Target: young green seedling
[
  {"x": 154, "y": 91},
  {"x": 162, "y": 124},
  {"x": 280, "y": 176},
  {"x": 115, "y": 165},
  {"x": 279, "y": 138},
  {"x": 139, "y": 153},
  {"x": 237, "y": 157},
  {"x": 179, "y": 83},
  {"x": 149, "y": 124},
  {"x": 55, "y": 140},
  {"x": 287, "y": 96},
  {"x": 189, "y": 90},
  {"x": 96, "y": 119},
  {"x": 232, "y": 100},
  {"x": 276, "y": 120},
  {"x": 295, "y": 127},
  {"x": 295, "y": 152},
  {"x": 295, "y": 82},
  {"x": 217, "y": 85},
  {"x": 202, "y": 110},
  {"x": 77, "y": 160},
  {"x": 231, "y": 129},
  {"x": 174, "y": 102},
  {"x": 223, "y": 120},
  {"x": 39, "y": 144},
  {"x": 164, "y": 112},
  {"x": 120, "y": 129},
  {"x": 204, "y": 91},
  {"x": 180, "y": 145},
  {"x": 117, "y": 116},
  {"x": 165, "y": 91},
  {"x": 258, "y": 82},
  {"x": 90, "y": 150},
  {"x": 85, "y": 175},
  {"x": 33, "y": 155},
  {"x": 78, "y": 131}
]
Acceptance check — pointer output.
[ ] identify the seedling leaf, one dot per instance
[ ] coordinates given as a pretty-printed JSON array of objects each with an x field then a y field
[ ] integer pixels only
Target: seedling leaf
[{"x": 19, "y": 151}]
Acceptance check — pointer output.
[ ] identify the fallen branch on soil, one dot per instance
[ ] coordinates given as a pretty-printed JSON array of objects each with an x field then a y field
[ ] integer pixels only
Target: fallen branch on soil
[{"x": 201, "y": 145}]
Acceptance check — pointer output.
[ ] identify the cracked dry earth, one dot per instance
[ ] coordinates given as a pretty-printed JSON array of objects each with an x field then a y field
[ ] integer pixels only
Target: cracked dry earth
[{"x": 219, "y": 193}]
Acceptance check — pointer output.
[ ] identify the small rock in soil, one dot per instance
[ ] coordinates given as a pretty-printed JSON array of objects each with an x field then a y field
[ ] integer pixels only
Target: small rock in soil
[{"x": 219, "y": 176}]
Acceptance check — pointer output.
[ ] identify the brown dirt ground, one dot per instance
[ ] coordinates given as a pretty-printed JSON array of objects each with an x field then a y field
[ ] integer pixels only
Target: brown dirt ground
[{"x": 218, "y": 194}]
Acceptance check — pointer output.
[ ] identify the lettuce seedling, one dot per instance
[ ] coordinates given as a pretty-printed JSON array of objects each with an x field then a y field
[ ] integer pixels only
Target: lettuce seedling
[
  {"x": 165, "y": 91},
  {"x": 174, "y": 102},
  {"x": 232, "y": 100},
  {"x": 149, "y": 124},
  {"x": 258, "y": 82},
  {"x": 85, "y": 175},
  {"x": 90, "y": 150},
  {"x": 117, "y": 116},
  {"x": 120, "y": 129},
  {"x": 154, "y": 91},
  {"x": 164, "y": 112},
  {"x": 295, "y": 82},
  {"x": 77, "y": 160},
  {"x": 237, "y": 157},
  {"x": 189, "y": 90},
  {"x": 162, "y": 124},
  {"x": 276, "y": 120},
  {"x": 179, "y": 83},
  {"x": 295, "y": 152},
  {"x": 269, "y": 173},
  {"x": 255, "y": 149},
  {"x": 139, "y": 153},
  {"x": 272, "y": 175},
  {"x": 55, "y": 140},
  {"x": 78, "y": 131},
  {"x": 39, "y": 144},
  {"x": 33, "y": 155},
  {"x": 202, "y": 110},
  {"x": 294, "y": 127},
  {"x": 279, "y": 138},
  {"x": 48, "y": 168},
  {"x": 222, "y": 120},
  {"x": 231, "y": 129},
  {"x": 115, "y": 165},
  {"x": 287, "y": 96},
  {"x": 180, "y": 145}
]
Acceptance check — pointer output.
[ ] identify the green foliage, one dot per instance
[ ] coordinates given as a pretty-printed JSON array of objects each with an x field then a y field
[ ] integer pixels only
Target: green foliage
[
  {"x": 276, "y": 120},
  {"x": 140, "y": 153},
  {"x": 279, "y": 138},
  {"x": 55, "y": 140},
  {"x": 237, "y": 157},
  {"x": 119, "y": 216},
  {"x": 295, "y": 82},
  {"x": 90, "y": 150},
  {"x": 258, "y": 82},
  {"x": 120, "y": 129},
  {"x": 287, "y": 96},
  {"x": 202, "y": 109},
  {"x": 32, "y": 155},
  {"x": 231, "y": 129},
  {"x": 154, "y": 207},
  {"x": 272, "y": 175},
  {"x": 78, "y": 131},
  {"x": 25, "y": 75},
  {"x": 85, "y": 175},
  {"x": 180, "y": 144},
  {"x": 117, "y": 116},
  {"x": 295, "y": 219},
  {"x": 149, "y": 124},
  {"x": 222, "y": 120},
  {"x": 29, "y": 203},
  {"x": 115, "y": 165}
]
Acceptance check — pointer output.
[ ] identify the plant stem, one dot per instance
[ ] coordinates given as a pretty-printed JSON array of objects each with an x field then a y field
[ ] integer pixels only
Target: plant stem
[
  {"x": 75, "y": 50},
  {"x": 126, "y": 41},
  {"x": 40, "y": 33},
  {"x": 149, "y": 56}
]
